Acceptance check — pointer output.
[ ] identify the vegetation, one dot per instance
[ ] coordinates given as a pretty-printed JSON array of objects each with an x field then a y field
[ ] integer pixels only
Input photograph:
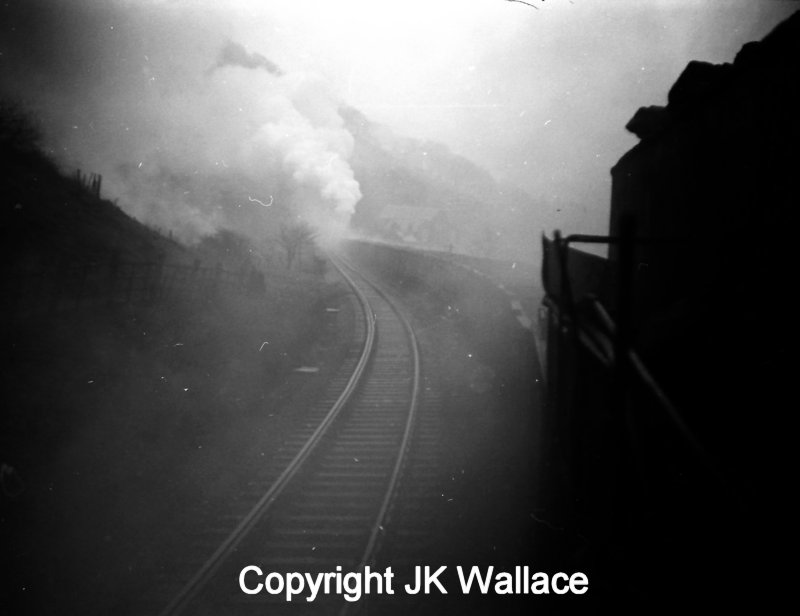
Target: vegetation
[
  {"x": 294, "y": 238},
  {"x": 119, "y": 414}
]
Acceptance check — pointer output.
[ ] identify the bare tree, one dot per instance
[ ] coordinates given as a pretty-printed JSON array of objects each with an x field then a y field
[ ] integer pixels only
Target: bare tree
[{"x": 293, "y": 238}]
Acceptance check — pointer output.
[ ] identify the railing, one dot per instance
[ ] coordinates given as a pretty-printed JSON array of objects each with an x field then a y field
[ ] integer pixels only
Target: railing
[
  {"x": 611, "y": 342},
  {"x": 633, "y": 476}
]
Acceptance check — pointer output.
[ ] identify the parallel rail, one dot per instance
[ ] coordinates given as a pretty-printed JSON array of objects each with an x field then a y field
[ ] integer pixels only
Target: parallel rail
[{"x": 329, "y": 505}]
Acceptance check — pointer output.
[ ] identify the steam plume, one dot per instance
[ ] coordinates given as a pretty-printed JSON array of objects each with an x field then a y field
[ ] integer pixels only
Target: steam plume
[
  {"x": 234, "y": 54},
  {"x": 183, "y": 121}
]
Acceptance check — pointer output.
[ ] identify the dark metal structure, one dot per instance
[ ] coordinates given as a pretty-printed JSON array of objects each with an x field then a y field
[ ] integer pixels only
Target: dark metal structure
[{"x": 665, "y": 362}]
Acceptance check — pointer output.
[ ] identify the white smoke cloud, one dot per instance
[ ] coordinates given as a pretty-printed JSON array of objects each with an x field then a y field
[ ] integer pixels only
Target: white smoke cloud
[
  {"x": 314, "y": 145},
  {"x": 185, "y": 124}
]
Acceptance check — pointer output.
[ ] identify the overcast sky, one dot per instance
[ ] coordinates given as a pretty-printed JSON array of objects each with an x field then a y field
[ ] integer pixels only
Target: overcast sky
[{"x": 538, "y": 97}]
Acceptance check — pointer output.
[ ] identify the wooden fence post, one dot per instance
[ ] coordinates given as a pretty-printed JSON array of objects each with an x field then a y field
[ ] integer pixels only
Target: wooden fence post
[
  {"x": 129, "y": 290},
  {"x": 158, "y": 279}
]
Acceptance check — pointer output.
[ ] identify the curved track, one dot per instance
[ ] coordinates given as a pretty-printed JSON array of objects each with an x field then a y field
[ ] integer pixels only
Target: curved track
[{"x": 327, "y": 507}]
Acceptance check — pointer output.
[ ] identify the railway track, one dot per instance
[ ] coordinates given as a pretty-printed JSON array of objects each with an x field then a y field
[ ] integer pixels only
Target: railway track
[{"x": 324, "y": 503}]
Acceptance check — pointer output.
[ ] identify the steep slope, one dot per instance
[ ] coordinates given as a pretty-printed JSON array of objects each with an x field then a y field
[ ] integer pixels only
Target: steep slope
[{"x": 420, "y": 192}]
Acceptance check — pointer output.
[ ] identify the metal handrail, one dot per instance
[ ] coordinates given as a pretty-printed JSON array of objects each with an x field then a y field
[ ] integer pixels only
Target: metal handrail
[
  {"x": 619, "y": 355},
  {"x": 647, "y": 379}
]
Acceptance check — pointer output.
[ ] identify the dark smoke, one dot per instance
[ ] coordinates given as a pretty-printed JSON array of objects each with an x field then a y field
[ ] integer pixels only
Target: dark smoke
[{"x": 234, "y": 54}]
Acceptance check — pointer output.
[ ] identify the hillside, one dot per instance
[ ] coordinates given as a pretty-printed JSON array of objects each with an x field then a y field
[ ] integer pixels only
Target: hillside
[
  {"x": 46, "y": 216},
  {"x": 134, "y": 366},
  {"x": 421, "y": 193}
]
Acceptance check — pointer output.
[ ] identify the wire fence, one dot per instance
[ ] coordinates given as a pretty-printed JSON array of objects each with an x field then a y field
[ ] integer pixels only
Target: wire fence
[{"x": 70, "y": 285}]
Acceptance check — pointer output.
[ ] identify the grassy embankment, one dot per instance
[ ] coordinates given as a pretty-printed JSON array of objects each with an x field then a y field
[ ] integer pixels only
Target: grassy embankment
[{"x": 117, "y": 413}]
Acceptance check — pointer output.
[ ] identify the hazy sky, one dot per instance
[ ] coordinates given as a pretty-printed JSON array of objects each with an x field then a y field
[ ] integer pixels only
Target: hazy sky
[{"x": 539, "y": 97}]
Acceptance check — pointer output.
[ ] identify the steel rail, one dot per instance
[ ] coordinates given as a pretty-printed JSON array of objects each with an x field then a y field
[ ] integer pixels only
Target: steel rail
[
  {"x": 391, "y": 488},
  {"x": 210, "y": 567}
]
